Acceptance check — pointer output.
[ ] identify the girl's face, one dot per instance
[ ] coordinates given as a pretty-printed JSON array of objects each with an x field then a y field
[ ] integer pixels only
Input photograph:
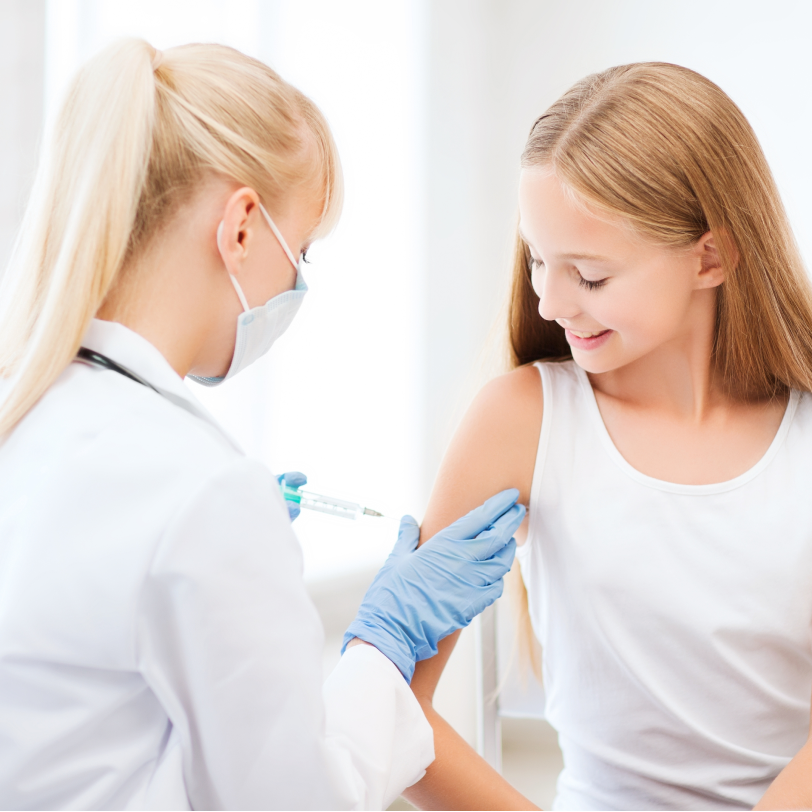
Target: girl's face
[{"x": 617, "y": 296}]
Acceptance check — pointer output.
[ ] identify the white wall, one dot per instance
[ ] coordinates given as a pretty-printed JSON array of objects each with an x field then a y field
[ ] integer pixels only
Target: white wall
[
  {"x": 344, "y": 388},
  {"x": 22, "y": 46}
]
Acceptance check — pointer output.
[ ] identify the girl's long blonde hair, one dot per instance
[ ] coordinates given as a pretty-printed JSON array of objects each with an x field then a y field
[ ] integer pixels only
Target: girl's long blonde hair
[
  {"x": 130, "y": 146},
  {"x": 669, "y": 152}
]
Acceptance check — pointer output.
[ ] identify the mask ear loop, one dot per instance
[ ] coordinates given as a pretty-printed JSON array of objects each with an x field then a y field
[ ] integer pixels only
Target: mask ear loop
[
  {"x": 278, "y": 235},
  {"x": 243, "y": 300}
]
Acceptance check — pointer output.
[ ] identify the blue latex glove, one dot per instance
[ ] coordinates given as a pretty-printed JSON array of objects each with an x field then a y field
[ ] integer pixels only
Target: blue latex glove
[
  {"x": 295, "y": 479},
  {"x": 422, "y": 595}
]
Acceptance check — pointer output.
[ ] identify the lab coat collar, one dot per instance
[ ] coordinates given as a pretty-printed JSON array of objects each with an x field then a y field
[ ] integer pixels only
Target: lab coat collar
[{"x": 133, "y": 351}]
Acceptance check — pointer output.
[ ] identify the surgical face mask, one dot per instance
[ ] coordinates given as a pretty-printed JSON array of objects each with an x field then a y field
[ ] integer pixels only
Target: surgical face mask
[{"x": 259, "y": 327}]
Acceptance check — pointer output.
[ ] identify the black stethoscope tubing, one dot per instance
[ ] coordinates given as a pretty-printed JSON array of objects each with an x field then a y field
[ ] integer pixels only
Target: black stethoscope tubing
[
  {"x": 96, "y": 359},
  {"x": 99, "y": 360}
]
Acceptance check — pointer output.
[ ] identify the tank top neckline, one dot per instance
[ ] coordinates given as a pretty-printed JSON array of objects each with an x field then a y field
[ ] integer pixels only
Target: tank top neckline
[{"x": 675, "y": 487}]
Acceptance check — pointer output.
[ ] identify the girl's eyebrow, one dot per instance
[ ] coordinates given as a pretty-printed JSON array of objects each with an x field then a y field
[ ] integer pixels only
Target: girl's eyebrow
[{"x": 592, "y": 257}]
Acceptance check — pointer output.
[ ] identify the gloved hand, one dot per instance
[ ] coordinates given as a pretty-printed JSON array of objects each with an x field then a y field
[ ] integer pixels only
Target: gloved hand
[
  {"x": 422, "y": 595},
  {"x": 295, "y": 479}
]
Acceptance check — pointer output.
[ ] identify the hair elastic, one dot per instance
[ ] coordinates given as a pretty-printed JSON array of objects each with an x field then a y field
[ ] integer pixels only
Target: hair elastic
[{"x": 157, "y": 59}]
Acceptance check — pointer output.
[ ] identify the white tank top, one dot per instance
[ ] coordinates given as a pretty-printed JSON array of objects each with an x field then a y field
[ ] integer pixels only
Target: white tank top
[{"x": 675, "y": 620}]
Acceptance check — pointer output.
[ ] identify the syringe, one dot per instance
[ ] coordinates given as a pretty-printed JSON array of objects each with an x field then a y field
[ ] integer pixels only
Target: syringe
[{"x": 326, "y": 504}]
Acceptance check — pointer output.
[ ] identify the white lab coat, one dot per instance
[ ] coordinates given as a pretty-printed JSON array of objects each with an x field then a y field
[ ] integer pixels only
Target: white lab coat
[{"x": 157, "y": 646}]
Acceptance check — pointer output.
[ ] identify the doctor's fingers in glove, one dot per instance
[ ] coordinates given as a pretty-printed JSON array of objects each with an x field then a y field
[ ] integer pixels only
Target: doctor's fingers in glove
[
  {"x": 491, "y": 541},
  {"x": 408, "y": 537},
  {"x": 490, "y": 592},
  {"x": 460, "y": 573},
  {"x": 486, "y": 543},
  {"x": 493, "y": 569},
  {"x": 463, "y": 590},
  {"x": 482, "y": 517},
  {"x": 293, "y": 479}
]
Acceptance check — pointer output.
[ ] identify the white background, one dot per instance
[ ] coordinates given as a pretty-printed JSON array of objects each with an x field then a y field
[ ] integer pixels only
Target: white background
[
  {"x": 430, "y": 101},
  {"x": 337, "y": 398}
]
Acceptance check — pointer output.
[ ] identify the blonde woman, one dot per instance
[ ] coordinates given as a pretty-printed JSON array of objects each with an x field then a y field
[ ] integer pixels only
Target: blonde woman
[
  {"x": 157, "y": 646},
  {"x": 658, "y": 423}
]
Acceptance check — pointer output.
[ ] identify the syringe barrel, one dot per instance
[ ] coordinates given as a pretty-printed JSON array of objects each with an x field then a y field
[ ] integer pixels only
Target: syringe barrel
[
  {"x": 323, "y": 504},
  {"x": 333, "y": 507}
]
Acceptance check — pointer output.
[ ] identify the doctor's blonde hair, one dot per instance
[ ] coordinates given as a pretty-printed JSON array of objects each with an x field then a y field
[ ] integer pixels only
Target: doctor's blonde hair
[
  {"x": 138, "y": 133},
  {"x": 666, "y": 151}
]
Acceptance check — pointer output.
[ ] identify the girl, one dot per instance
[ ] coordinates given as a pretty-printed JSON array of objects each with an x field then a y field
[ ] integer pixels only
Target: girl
[
  {"x": 658, "y": 423},
  {"x": 157, "y": 645}
]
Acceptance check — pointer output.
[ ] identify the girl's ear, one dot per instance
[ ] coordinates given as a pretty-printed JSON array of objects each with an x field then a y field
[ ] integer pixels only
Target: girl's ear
[{"x": 711, "y": 271}]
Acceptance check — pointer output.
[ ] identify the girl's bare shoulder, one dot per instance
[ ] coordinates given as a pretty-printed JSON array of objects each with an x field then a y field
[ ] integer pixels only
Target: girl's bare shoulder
[
  {"x": 493, "y": 449},
  {"x": 517, "y": 395},
  {"x": 504, "y": 422}
]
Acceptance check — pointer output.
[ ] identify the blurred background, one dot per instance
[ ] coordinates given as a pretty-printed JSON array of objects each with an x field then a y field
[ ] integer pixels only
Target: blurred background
[{"x": 430, "y": 102}]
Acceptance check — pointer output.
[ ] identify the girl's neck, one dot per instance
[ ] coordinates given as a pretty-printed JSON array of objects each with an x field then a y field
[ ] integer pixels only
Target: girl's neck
[
  {"x": 677, "y": 378},
  {"x": 670, "y": 417}
]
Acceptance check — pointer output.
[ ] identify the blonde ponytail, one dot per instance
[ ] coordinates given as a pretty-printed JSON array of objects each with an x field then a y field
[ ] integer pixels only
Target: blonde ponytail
[
  {"x": 136, "y": 135},
  {"x": 78, "y": 222}
]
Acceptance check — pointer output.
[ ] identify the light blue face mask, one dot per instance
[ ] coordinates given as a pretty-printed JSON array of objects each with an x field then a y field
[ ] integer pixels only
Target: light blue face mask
[{"x": 259, "y": 327}]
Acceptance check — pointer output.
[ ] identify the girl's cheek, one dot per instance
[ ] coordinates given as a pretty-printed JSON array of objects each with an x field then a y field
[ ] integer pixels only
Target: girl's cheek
[
  {"x": 632, "y": 311},
  {"x": 614, "y": 315}
]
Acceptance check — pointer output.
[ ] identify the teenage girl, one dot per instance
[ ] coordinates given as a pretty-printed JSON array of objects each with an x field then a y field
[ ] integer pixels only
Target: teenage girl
[{"x": 658, "y": 423}]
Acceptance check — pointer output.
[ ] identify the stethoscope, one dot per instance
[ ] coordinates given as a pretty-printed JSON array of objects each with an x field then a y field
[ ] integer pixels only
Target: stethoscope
[
  {"x": 99, "y": 360},
  {"x": 96, "y": 359}
]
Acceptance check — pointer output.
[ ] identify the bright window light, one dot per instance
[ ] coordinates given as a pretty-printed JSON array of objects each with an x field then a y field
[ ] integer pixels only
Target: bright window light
[{"x": 338, "y": 395}]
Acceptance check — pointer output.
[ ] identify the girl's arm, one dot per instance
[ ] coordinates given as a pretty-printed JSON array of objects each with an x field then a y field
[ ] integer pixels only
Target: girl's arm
[
  {"x": 792, "y": 788},
  {"x": 494, "y": 448}
]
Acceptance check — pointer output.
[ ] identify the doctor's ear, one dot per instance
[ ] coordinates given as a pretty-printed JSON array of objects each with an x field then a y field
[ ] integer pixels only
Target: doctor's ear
[
  {"x": 235, "y": 231},
  {"x": 711, "y": 269}
]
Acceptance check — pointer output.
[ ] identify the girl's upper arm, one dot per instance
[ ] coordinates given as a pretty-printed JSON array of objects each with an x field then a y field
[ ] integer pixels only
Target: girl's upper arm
[{"x": 493, "y": 449}]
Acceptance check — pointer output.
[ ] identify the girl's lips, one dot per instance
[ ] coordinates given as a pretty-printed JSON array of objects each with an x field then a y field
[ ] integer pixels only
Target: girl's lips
[{"x": 591, "y": 343}]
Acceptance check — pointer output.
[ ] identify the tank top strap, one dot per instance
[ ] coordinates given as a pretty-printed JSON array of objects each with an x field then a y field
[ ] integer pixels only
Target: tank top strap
[{"x": 565, "y": 421}]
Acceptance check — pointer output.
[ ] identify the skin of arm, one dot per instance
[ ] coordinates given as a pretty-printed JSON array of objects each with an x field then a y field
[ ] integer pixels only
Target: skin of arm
[
  {"x": 493, "y": 449},
  {"x": 792, "y": 788}
]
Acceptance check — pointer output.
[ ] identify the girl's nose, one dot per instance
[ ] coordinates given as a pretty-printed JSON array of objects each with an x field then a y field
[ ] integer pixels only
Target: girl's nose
[{"x": 556, "y": 299}]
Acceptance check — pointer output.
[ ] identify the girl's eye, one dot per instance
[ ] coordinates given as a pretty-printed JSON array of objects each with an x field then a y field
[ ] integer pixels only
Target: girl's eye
[
  {"x": 589, "y": 284},
  {"x": 304, "y": 257},
  {"x": 534, "y": 264}
]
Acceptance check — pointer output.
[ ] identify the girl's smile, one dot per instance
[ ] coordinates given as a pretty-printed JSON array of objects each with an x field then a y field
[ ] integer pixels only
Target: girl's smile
[{"x": 587, "y": 341}]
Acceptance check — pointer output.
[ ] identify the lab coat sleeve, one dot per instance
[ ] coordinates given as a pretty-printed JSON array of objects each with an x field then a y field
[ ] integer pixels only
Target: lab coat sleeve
[
  {"x": 231, "y": 645},
  {"x": 373, "y": 717}
]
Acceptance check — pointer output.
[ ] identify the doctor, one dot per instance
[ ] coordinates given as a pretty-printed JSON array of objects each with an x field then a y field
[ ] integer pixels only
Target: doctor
[{"x": 157, "y": 646}]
